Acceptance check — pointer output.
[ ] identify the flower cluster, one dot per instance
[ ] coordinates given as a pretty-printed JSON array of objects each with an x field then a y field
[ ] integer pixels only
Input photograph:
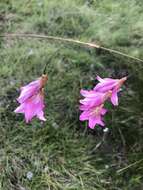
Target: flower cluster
[
  {"x": 92, "y": 106},
  {"x": 31, "y": 99}
]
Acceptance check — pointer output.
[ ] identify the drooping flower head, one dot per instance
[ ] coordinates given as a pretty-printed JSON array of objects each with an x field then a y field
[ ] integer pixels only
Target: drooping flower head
[
  {"x": 92, "y": 106},
  {"x": 113, "y": 85},
  {"x": 31, "y": 99}
]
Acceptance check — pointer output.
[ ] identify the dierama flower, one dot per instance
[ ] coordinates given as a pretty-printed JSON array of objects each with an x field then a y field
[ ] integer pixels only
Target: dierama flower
[
  {"x": 93, "y": 115},
  {"x": 93, "y": 103},
  {"x": 31, "y": 99},
  {"x": 113, "y": 85},
  {"x": 32, "y": 88},
  {"x": 93, "y": 98},
  {"x": 92, "y": 106}
]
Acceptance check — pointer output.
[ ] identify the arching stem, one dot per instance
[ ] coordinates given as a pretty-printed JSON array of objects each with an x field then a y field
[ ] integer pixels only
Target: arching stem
[{"x": 92, "y": 45}]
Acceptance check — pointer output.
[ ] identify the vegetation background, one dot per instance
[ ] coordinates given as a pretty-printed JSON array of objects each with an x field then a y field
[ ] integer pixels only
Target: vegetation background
[{"x": 59, "y": 153}]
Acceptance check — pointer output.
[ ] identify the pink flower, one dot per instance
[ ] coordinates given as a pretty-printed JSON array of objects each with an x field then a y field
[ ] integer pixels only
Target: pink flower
[
  {"x": 93, "y": 98},
  {"x": 32, "y": 107},
  {"x": 32, "y": 88},
  {"x": 93, "y": 103},
  {"x": 92, "y": 106},
  {"x": 31, "y": 99},
  {"x": 93, "y": 115},
  {"x": 113, "y": 85}
]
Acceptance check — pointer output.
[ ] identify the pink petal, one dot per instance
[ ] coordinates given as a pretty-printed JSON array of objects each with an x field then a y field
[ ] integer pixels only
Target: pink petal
[
  {"x": 83, "y": 107},
  {"x": 100, "y": 122},
  {"x": 92, "y": 122},
  {"x": 32, "y": 107},
  {"x": 29, "y": 111},
  {"x": 97, "y": 99},
  {"x": 107, "y": 84},
  {"x": 29, "y": 90},
  {"x": 84, "y": 92},
  {"x": 103, "y": 111},
  {"x": 19, "y": 109},
  {"x": 40, "y": 115},
  {"x": 99, "y": 79},
  {"x": 114, "y": 98},
  {"x": 104, "y": 87},
  {"x": 84, "y": 116},
  {"x": 95, "y": 120},
  {"x": 90, "y": 94},
  {"x": 91, "y": 102}
]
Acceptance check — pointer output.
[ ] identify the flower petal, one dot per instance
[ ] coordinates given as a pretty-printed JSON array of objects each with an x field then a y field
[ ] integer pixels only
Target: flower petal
[
  {"x": 19, "y": 109},
  {"x": 28, "y": 91},
  {"x": 84, "y": 116},
  {"x": 92, "y": 122},
  {"x": 105, "y": 86},
  {"x": 40, "y": 115},
  {"x": 103, "y": 111},
  {"x": 95, "y": 120},
  {"x": 114, "y": 98},
  {"x": 99, "y": 79}
]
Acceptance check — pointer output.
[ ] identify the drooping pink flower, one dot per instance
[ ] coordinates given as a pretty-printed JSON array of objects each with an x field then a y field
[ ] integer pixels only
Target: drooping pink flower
[
  {"x": 92, "y": 106},
  {"x": 32, "y": 107},
  {"x": 93, "y": 115},
  {"x": 31, "y": 99},
  {"x": 113, "y": 85},
  {"x": 32, "y": 88},
  {"x": 93, "y": 98}
]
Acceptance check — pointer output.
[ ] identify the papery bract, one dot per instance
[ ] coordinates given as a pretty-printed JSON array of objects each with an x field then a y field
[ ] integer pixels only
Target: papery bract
[{"x": 113, "y": 85}]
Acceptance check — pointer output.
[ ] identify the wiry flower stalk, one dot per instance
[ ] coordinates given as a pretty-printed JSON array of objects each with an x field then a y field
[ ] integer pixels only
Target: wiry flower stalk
[{"x": 91, "y": 45}]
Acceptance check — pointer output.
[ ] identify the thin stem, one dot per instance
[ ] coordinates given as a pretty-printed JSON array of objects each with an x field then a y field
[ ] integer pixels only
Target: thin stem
[
  {"x": 120, "y": 53},
  {"x": 129, "y": 166},
  {"x": 49, "y": 60},
  {"x": 105, "y": 134},
  {"x": 92, "y": 45}
]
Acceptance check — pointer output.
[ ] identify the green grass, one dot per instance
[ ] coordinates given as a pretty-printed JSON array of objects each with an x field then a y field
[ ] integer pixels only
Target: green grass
[{"x": 59, "y": 152}]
